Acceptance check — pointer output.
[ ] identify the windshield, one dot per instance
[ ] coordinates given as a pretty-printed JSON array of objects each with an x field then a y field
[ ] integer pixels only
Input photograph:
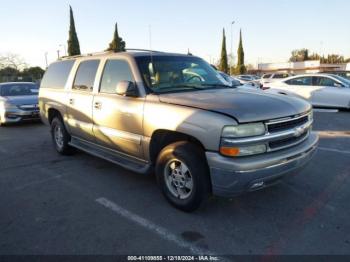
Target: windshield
[
  {"x": 18, "y": 89},
  {"x": 178, "y": 73}
]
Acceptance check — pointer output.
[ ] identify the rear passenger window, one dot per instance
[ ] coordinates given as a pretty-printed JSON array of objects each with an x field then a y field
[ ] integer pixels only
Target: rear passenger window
[
  {"x": 114, "y": 72},
  {"x": 85, "y": 77},
  {"x": 57, "y": 74}
]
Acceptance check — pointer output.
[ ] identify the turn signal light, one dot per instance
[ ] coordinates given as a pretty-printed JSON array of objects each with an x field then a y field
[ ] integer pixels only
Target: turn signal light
[{"x": 229, "y": 151}]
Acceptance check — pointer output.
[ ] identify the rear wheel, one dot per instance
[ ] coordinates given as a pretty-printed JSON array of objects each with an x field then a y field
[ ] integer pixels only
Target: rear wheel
[
  {"x": 183, "y": 175},
  {"x": 60, "y": 137}
]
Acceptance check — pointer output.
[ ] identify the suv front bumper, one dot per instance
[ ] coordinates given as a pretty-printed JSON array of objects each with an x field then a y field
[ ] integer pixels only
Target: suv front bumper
[{"x": 234, "y": 176}]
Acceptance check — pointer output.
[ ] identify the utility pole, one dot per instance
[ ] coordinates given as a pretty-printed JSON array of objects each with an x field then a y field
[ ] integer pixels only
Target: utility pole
[
  {"x": 231, "y": 64},
  {"x": 58, "y": 54}
]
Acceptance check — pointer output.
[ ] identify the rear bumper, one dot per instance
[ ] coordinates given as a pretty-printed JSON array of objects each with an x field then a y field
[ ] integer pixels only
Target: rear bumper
[
  {"x": 18, "y": 115},
  {"x": 234, "y": 176}
]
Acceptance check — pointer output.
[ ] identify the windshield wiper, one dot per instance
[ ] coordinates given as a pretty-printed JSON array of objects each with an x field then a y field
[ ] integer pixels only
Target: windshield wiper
[{"x": 217, "y": 85}]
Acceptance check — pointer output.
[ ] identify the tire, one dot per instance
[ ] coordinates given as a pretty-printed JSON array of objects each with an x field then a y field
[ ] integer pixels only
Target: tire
[
  {"x": 60, "y": 137},
  {"x": 183, "y": 175}
]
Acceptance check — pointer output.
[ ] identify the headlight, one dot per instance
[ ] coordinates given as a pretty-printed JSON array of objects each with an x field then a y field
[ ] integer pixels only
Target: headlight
[
  {"x": 228, "y": 147},
  {"x": 245, "y": 130},
  {"x": 7, "y": 105}
]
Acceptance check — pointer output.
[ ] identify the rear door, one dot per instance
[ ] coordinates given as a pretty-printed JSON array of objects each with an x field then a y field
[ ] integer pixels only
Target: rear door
[
  {"x": 329, "y": 92},
  {"x": 79, "y": 111},
  {"x": 118, "y": 119}
]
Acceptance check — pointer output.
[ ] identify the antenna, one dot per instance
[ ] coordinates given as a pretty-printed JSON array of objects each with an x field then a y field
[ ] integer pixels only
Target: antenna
[{"x": 150, "y": 46}]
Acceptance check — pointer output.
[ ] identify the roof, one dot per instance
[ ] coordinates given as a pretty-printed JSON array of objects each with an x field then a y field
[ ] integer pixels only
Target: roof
[{"x": 128, "y": 53}]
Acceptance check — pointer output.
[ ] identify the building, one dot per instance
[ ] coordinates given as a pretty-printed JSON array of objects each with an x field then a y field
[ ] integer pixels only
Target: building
[{"x": 314, "y": 66}]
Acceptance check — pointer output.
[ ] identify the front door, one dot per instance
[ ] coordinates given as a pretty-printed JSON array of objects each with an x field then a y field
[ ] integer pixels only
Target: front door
[
  {"x": 118, "y": 119},
  {"x": 330, "y": 93},
  {"x": 79, "y": 110}
]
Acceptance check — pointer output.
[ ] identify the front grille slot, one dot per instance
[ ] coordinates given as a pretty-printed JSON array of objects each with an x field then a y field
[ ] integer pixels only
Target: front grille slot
[
  {"x": 282, "y": 126},
  {"x": 279, "y": 144}
]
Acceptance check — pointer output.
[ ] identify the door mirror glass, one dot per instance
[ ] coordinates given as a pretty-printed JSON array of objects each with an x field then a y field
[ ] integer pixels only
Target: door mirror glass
[{"x": 126, "y": 88}]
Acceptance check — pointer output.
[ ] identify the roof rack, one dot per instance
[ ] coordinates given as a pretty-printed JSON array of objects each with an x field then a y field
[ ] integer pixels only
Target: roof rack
[
  {"x": 143, "y": 50},
  {"x": 106, "y": 52}
]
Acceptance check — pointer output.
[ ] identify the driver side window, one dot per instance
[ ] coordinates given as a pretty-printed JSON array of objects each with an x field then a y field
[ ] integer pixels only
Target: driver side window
[{"x": 114, "y": 72}]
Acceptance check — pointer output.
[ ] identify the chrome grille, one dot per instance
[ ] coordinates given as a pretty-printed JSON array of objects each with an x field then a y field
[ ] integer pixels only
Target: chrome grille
[
  {"x": 33, "y": 107},
  {"x": 287, "y": 142},
  {"x": 288, "y": 124}
]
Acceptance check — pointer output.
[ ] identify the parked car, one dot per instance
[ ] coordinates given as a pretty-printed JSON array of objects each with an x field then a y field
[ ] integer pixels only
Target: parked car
[
  {"x": 345, "y": 74},
  {"x": 18, "y": 102},
  {"x": 248, "y": 77},
  {"x": 199, "y": 135},
  {"x": 267, "y": 79},
  {"x": 248, "y": 80},
  {"x": 322, "y": 90}
]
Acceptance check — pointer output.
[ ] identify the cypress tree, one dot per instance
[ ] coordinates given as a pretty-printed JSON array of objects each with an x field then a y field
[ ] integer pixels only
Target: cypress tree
[
  {"x": 241, "y": 69},
  {"x": 73, "y": 42},
  {"x": 223, "y": 60},
  {"x": 117, "y": 44}
]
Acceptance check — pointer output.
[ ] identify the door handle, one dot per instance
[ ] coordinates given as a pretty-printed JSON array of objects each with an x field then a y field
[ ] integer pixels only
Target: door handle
[
  {"x": 98, "y": 105},
  {"x": 71, "y": 101}
]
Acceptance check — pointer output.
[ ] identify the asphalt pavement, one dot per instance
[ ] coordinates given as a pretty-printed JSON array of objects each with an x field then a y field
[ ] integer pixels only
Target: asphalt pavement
[{"x": 80, "y": 204}]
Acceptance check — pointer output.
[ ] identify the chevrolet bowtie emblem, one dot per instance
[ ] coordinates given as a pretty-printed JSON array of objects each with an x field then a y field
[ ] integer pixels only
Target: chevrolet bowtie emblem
[{"x": 299, "y": 131}]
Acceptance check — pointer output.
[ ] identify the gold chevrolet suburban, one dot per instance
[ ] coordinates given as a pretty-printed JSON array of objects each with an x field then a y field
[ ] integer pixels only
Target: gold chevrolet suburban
[{"x": 175, "y": 116}]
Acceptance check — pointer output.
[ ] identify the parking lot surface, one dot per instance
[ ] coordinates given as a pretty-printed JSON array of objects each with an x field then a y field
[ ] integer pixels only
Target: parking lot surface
[{"x": 52, "y": 204}]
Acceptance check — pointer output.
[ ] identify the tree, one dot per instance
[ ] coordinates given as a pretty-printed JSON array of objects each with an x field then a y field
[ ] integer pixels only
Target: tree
[
  {"x": 35, "y": 73},
  {"x": 73, "y": 42},
  {"x": 223, "y": 66},
  {"x": 241, "y": 69},
  {"x": 299, "y": 55},
  {"x": 117, "y": 44},
  {"x": 12, "y": 61}
]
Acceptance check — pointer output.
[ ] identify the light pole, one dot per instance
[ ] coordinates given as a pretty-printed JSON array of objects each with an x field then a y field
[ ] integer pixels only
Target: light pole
[
  {"x": 46, "y": 60},
  {"x": 231, "y": 64}
]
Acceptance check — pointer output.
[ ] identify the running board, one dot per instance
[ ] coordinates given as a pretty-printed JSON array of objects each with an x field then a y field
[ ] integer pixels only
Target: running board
[{"x": 130, "y": 163}]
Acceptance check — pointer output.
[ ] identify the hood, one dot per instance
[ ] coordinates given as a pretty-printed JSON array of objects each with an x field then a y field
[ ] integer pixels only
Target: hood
[
  {"x": 22, "y": 100},
  {"x": 243, "y": 105}
]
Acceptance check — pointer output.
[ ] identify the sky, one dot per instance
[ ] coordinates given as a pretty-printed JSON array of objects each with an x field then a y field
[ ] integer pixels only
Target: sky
[{"x": 271, "y": 29}]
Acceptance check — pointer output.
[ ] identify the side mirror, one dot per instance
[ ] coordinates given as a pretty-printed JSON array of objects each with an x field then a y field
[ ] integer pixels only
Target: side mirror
[
  {"x": 127, "y": 88},
  {"x": 338, "y": 85}
]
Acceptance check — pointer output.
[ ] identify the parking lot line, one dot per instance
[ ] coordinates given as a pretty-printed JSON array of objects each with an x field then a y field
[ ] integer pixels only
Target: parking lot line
[
  {"x": 160, "y": 231},
  {"x": 334, "y": 150}
]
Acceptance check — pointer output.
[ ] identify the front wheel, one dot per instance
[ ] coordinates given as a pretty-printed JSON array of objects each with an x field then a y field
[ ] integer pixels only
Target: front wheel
[{"x": 183, "y": 175}]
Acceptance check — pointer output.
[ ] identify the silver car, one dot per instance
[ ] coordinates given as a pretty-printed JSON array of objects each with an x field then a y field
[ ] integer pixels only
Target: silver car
[
  {"x": 18, "y": 102},
  {"x": 322, "y": 90}
]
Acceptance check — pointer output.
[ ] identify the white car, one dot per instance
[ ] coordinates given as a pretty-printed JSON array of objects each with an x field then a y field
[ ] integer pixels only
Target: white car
[
  {"x": 267, "y": 79},
  {"x": 322, "y": 90}
]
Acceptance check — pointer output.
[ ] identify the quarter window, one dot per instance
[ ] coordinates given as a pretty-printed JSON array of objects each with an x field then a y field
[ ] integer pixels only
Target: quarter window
[
  {"x": 85, "y": 77},
  {"x": 57, "y": 74},
  {"x": 114, "y": 72}
]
